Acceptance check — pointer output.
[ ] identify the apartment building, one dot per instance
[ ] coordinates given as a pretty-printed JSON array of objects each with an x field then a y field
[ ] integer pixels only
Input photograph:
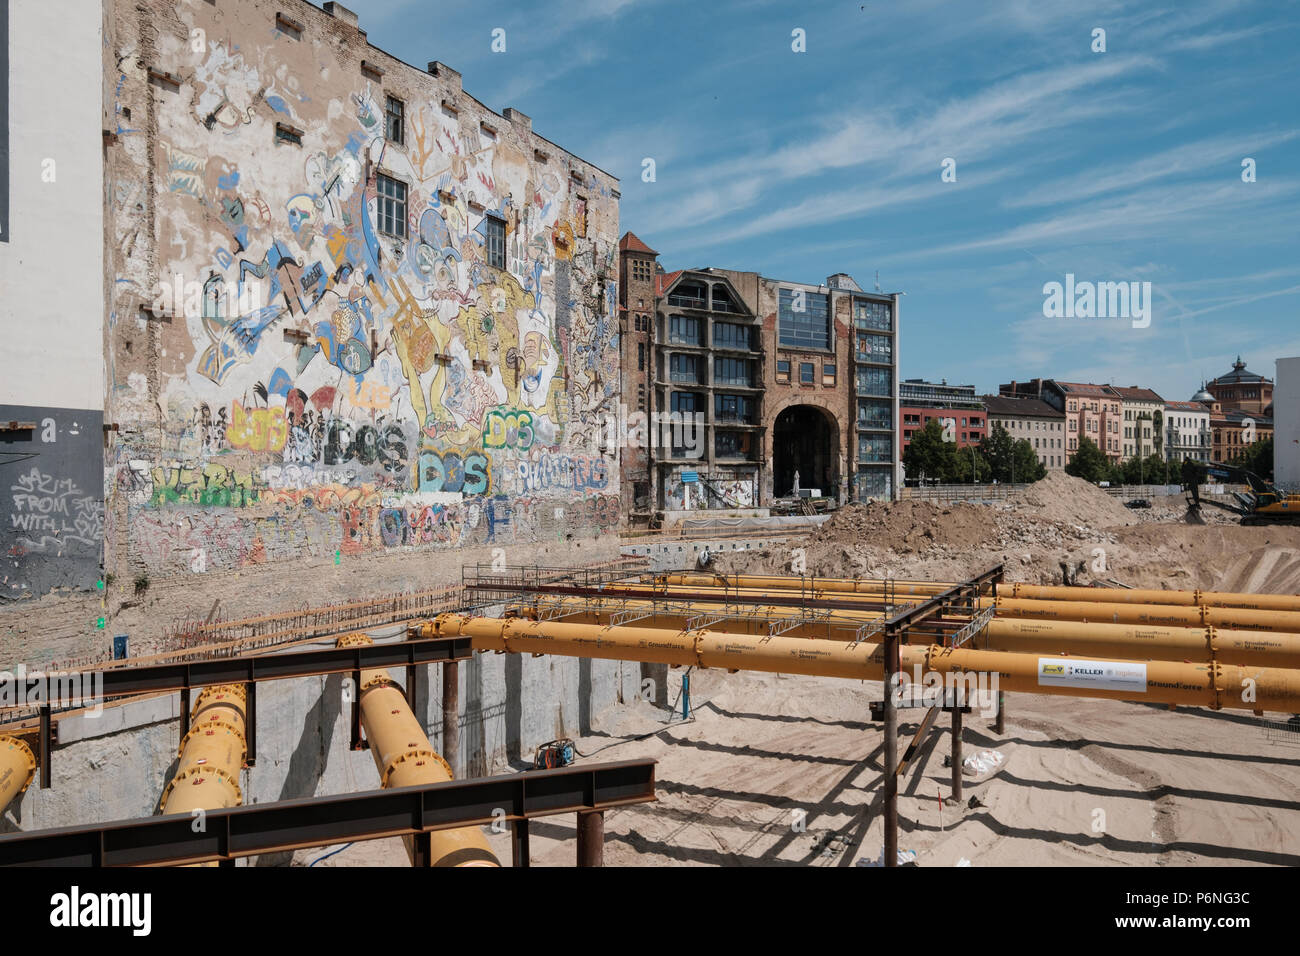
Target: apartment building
[
  {"x": 1031, "y": 420},
  {"x": 1143, "y": 410},
  {"x": 1091, "y": 411},
  {"x": 957, "y": 407},
  {"x": 1186, "y": 431}
]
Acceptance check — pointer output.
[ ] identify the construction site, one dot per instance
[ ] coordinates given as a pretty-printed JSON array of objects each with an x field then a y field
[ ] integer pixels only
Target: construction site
[
  {"x": 371, "y": 495},
  {"x": 731, "y": 711}
]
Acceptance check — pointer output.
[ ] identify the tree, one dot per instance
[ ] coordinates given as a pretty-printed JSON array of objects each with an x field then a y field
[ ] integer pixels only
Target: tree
[
  {"x": 1257, "y": 457},
  {"x": 1026, "y": 467},
  {"x": 1158, "y": 432},
  {"x": 964, "y": 460},
  {"x": 1088, "y": 463},
  {"x": 928, "y": 455},
  {"x": 998, "y": 450}
]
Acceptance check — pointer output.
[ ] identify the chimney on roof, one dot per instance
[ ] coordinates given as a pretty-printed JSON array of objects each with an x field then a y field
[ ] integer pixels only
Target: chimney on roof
[
  {"x": 340, "y": 12},
  {"x": 445, "y": 73},
  {"x": 519, "y": 119}
]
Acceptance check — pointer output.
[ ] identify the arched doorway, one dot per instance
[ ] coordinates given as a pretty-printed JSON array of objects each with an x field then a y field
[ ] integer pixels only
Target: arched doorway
[{"x": 805, "y": 439}]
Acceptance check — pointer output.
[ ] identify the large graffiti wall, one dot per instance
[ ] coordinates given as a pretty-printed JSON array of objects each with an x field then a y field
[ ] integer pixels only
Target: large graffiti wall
[{"x": 314, "y": 352}]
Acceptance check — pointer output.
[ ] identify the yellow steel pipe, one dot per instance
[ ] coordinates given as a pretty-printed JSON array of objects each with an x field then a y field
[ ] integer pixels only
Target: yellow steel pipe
[
  {"x": 1260, "y": 602},
  {"x": 405, "y": 758},
  {"x": 211, "y": 755},
  {"x": 1142, "y": 642},
  {"x": 1241, "y": 619},
  {"x": 1211, "y": 685},
  {"x": 17, "y": 767},
  {"x": 1118, "y": 641}
]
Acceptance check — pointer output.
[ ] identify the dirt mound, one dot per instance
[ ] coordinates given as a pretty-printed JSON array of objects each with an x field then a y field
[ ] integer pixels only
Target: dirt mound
[
  {"x": 906, "y": 527},
  {"x": 1060, "y": 497},
  {"x": 1060, "y": 530}
]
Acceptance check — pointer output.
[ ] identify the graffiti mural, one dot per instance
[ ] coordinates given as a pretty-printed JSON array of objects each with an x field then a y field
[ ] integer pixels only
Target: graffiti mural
[{"x": 395, "y": 339}]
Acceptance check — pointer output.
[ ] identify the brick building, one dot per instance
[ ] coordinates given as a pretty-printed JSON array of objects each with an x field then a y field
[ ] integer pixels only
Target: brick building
[
  {"x": 785, "y": 377},
  {"x": 957, "y": 407}
]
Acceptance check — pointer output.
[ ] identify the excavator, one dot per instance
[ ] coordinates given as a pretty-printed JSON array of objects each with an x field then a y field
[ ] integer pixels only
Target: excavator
[{"x": 1264, "y": 503}]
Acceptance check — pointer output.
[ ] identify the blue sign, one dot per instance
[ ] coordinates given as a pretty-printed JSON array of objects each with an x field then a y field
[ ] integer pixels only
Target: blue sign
[{"x": 690, "y": 477}]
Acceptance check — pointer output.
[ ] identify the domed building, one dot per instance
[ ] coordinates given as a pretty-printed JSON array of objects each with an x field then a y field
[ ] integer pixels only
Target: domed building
[
  {"x": 1242, "y": 390},
  {"x": 1241, "y": 410}
]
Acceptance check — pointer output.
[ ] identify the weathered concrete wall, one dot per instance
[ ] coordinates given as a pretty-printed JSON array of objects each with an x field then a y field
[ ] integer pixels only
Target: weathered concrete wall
[
  {"x": 115, "y": 766},
  {"x": 52, "y": 307},
  {"x": 307, "y": 386}
]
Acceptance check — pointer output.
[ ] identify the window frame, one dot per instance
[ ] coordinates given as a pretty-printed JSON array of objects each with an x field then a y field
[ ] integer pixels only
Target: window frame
[
  {"x": 400, "y": 138},
  {"x": 387, "y": 205},
  {"x": 491, "y": 255}
]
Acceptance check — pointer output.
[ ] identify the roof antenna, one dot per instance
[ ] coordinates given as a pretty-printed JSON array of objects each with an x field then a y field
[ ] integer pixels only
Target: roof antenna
[{"x": 877, "y": 280}]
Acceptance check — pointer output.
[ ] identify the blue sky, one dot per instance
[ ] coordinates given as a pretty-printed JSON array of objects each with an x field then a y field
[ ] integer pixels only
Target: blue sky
[{"x": 1115, "y": 166}]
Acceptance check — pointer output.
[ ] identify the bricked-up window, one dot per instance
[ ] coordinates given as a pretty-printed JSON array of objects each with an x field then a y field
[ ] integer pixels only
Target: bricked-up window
[
  {"x": 394, "y": 120},
  {"x": 494, "y": 231},
  {"x": 392, "y": 206},
  {"x": 803, "y": 319},
  {"x": 783, "y": 370},
  {"x": 828, "y": 374}
]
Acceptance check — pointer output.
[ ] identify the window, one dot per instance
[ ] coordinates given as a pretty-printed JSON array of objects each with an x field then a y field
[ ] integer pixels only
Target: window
[
  {"x": 872, "y": 315},
  {"x": 684, "y": 368},
  {"x": 689, "y": 295},
  {"x": 732, "y": 335},
  {"x": 733, "y": 408},
  {"x": 494, "y": 231},
  {"x": 641, "y": 270},
  {"x": 806, "y": 373},
  {"x": 688, "y": 402},
  {"x": 803, "y": 319},
  {"x": 875, "y": 448},
  {"x": 394, "y": 120},
  {"x": 683, "y": 330},
  {"x": 874, "y": 348},
  {"x": 288, "y": 134},
  {"x": 828, "y": 374},
  {"x": 875, "y": 381},
  {"x": 392, "y": 206},
  {"x": 731, "y": 371},
  {"x": 783, "y": 370},
  {"x": 732, "y": 444},
  {"x": 721, "y": 300},
  {"x": 640, "y": 356}
]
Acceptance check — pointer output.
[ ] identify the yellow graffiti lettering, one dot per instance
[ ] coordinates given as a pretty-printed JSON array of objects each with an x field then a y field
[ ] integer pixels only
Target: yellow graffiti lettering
[{"x": 257, "y": 429}]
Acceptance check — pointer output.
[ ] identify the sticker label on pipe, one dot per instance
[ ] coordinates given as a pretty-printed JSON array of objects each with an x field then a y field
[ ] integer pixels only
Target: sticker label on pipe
[{"x": 1100, "y": 675}]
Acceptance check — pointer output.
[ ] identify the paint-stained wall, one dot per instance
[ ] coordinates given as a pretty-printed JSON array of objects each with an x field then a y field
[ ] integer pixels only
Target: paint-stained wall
[{"x": 306, "y": 385}]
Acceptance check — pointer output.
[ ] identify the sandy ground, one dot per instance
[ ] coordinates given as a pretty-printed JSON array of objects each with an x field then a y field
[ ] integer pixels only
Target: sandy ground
[{"x": 773, "y": 769}]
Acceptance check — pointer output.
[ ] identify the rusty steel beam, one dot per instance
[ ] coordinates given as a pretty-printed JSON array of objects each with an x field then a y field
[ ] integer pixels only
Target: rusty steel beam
[{"x": 320, "y": 821}]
